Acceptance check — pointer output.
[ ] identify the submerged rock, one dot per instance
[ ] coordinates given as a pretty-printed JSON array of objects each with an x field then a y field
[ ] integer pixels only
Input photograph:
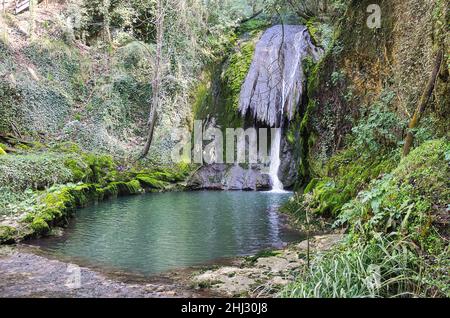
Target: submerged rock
[{"x": 274, "y": 84}]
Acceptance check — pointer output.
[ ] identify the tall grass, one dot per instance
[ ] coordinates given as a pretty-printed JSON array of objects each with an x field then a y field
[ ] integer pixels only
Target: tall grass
[{"x": 378, "y": 269}]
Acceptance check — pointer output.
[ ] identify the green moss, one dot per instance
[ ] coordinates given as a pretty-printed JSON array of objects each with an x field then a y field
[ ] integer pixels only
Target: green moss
[
  {"x": 110, "y": 191},
  {"x": 67, "y": 147},
  {"x": 122, "y": 188},
  {"x": 57, "y": 202},
  {"x": 82, "y": 195},
  {"x": 235, "y": 74},
  {"x": 133, "y": 187},
  {"x": 40, "y": 226},
  {"x": 59, "y": 199},
  {"x": 80, "y": 170},
  {"x": 202, "y": 97},
  {"x": 151, "y": 182},
  {"x": 7, "y": 234},
  {"x": 102, "y": 168},
  {"x": 254, "y": 26},
  {"x": 346, "y": 173},
  {"x": 2, "y": 152}
]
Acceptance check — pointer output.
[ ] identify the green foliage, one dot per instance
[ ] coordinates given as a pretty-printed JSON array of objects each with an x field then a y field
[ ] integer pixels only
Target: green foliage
[
  {"x": 381, "y": 129},
  {"x": 39, "y": 226},
  {"x": 162, "y": 177},
  {"x": 7, "y": 234},
  {"x": 346, "y": 174},
  {"x": 377, "y": 269},
  {"x": 219, "y": 92},
  {"x": 253, "y": 26},
  {"x": 66, "y": 147},
  {"x": 337, "y": 77},
  {"x": 13, "y": 202},
  {"x": 33, "y": 171},
  {"x": 408, "y": 200},
  {"x": 102, "y": 168},
  {"x": 44, "y": 188},
  {"x": 133, "y": 187},
  {"x": 9, "y": 110},
  {"x": 151, "y": 182}
]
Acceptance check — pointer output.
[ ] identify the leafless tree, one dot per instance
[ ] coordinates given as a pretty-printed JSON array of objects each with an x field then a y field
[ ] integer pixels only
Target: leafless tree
[
  {"x": 156, "y": 83},
  {"x": 421, "y": 107}
]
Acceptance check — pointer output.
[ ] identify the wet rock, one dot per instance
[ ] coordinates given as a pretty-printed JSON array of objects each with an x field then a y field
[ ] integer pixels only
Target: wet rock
[
  {"x": 266, "y": 275},
  {"x": 263, "y": 182},
  {"x": 320, "y": 242},
  {"x": 288, "y": 167},
  {"x": 29, "y": 275},
  {"x": 229, "y": 177},
  {"x": 231, "y": 281}
]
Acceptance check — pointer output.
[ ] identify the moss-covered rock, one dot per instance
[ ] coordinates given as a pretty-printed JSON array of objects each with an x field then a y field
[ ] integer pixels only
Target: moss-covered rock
[
  {"x": 345, "y": 174},
  {"x": 63, "y": 178},
  {"x": 151, "y": 182},
  {"x": 39, "y": 226},
  {"x": 7, "y": 234},
  {"x": 131, "y": 187},
  {"x": 218, "y": 94}
]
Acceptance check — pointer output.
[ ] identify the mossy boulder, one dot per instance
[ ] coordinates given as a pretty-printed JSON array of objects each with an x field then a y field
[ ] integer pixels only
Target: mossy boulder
[
  {"x": 7, "y": 234},
  {"x": 124, "y": 188},
  {"x": 39, "y": 226},
  {"x": 151, "y": 182},
  {"x": 133, "y": 187}
]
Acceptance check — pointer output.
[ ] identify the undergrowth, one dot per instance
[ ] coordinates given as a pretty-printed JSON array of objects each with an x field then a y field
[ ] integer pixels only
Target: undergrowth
[{"x": 397, "y": 225}]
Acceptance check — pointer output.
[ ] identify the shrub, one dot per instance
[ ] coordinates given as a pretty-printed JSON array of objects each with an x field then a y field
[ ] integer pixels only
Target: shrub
[
  {"x": 33, "y": 171},
  {"x": 379, "y": 131}
]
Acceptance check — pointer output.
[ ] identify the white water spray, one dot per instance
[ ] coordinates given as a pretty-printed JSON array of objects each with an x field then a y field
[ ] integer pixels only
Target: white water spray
[{"x": 275, "y": 161}]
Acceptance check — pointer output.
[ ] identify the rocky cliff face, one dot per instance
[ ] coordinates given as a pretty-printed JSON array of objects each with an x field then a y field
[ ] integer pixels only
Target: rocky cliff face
[{"x": 364, "y": 64}]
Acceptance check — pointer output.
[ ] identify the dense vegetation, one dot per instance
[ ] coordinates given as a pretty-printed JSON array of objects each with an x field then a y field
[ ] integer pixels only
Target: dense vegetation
[{"x": 393, "y": 208}]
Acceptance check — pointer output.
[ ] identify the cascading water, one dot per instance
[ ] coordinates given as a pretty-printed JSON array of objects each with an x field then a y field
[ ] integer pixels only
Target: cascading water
[
  {"x": 275, "y": 161},
  {"x": 274, "y": 84}
]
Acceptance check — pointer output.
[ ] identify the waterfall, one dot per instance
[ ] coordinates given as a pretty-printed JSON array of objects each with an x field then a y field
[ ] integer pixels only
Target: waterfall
[
  {"x": 273, "y": 88},
  {"x": 274, "y": 84},
  {"x": 275, "y": 161}
]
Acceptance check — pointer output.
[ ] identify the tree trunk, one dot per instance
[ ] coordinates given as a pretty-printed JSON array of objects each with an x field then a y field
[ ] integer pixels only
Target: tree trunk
[
  {"x": 156, "y": 84},
  {"x": 107, "y": 20},
  {"x": 422, "y": 104}
]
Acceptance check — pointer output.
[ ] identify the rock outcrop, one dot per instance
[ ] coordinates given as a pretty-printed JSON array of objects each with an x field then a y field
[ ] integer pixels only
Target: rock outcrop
[{"x": 229, "y": 177}]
